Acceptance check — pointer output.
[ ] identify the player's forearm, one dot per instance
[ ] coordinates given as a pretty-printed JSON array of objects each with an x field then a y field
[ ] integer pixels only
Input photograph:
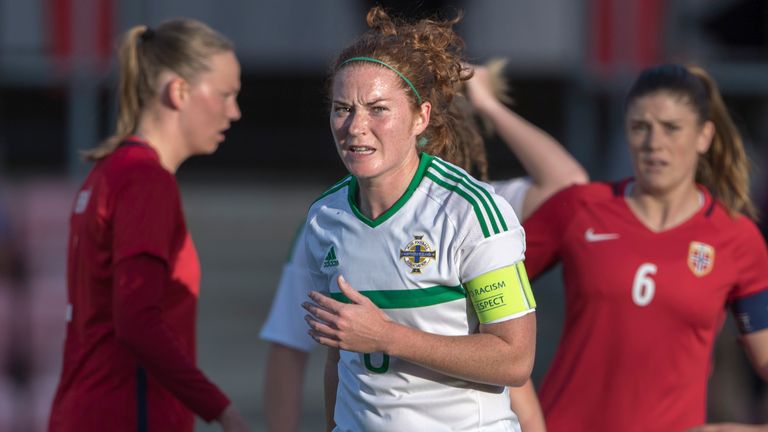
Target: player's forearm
[
  {"x": 158, "y": 353},
  {"x": 139, "y": 326},
  {"x": 283, "y": 381},
  {"x": 756, "y": 346},
  {"x": 525, "y": 404},
  {"x": 481, "y": 357}
]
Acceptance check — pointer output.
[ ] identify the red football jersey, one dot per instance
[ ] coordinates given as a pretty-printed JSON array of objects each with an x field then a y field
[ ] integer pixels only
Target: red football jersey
[
  {"x": 129, "y": 210},
  {"x": 642, "y": 307}
]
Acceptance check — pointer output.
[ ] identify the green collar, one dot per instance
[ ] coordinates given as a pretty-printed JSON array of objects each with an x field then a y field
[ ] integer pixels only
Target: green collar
[{"x": 424, "y": 162}]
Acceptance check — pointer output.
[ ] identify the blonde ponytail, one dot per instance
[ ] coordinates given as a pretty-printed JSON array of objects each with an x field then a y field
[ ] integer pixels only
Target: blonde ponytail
[{"x": 182, "y": 46}]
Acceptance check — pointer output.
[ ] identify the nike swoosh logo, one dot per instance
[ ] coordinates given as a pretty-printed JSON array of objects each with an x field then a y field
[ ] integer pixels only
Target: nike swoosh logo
[{"x": 591, "y": 236}]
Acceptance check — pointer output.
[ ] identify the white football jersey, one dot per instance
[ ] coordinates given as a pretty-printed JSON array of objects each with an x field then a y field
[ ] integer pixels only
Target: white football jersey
[
  {"x": 412, "y": 262},
  {"x": 513, "y": 191},
  {"x": 285, "y": 324}
]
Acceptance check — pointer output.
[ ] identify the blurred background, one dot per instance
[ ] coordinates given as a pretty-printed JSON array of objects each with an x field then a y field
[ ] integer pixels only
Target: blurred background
[{"x": 570, "y": 63}]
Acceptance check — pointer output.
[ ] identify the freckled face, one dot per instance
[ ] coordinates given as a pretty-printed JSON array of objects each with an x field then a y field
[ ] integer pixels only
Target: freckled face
[
  {"x": 665, "y": 139},
  {"x": 374, "y": 123}
]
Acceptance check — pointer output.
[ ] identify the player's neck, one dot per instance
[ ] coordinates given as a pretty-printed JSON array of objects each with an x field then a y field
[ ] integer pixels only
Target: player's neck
[
  {"x": 163, "y": 140},
  {"x": 663, "y": 211},
  {"x": 378, "y": 194}
]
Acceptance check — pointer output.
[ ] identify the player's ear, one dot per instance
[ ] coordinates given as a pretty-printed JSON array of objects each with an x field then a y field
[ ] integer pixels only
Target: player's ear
[
  {"x": 176, "y": 92},
  {"x": 704, "y": 140},
  {"x": 421, "y": 121}
]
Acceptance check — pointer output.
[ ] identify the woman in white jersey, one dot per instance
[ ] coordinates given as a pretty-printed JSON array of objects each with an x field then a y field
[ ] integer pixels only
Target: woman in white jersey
[
  {"x": 442, "y": 321},
  {"x": 547, "y": 163}
]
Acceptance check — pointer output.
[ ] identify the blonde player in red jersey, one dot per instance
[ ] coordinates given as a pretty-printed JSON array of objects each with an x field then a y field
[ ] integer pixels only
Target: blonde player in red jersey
[
  {"x": 650, "y": 265},
  {"x": 133, "y": 275}
]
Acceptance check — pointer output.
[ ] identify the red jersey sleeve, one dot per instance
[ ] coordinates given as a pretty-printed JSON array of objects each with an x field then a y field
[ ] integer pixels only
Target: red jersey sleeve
[
  {"x": 545, "y": 230},
  {"x": 146, "y": 220},
  {"x": 751, "y": 260},
  {"x": 139, "y": 284}
]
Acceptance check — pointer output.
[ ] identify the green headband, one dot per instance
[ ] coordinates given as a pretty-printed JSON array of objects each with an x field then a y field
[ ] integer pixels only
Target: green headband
[{"x": 373, "y": 60}]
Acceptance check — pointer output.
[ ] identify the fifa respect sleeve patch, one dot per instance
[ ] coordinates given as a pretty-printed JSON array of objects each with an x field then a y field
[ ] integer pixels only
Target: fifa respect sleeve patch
[
  {"x": 501, "y": 293},
  {"x": 751, "y": 312}
]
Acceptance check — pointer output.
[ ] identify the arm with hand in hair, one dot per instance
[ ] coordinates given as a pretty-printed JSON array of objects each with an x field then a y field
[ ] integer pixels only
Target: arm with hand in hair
[
  {"x": 548, "y": 164},
  {"x": 550, "y": 168}
]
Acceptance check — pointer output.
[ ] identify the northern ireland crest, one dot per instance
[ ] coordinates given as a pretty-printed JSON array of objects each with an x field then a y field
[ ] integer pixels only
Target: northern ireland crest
[{"x": 417, "y": 254}]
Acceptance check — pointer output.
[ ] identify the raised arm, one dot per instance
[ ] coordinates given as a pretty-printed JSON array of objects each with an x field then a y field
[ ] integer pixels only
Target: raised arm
[{"x": 548, "y": 164}]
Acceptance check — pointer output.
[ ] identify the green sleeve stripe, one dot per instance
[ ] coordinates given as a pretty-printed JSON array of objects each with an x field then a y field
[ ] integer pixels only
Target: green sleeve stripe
[
  {"x": 487, "y": 204},
  {"x": 472, "y": 201},
  {"x": 469, "y": 180},
  {"x": 499, "y": 294},
  {"x": 467, "y": 185},
  {"x": 480, "y": 188},
  {"x": 409, "y": 298}
]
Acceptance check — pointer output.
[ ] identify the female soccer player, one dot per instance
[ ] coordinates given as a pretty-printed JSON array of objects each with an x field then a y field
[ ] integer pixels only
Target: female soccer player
[
  {"x": 651, "y": 263},
  {"x": 549, "y": 166},
  {"x": 411, "y": 231},
  {"x": 133, "y": 273}
]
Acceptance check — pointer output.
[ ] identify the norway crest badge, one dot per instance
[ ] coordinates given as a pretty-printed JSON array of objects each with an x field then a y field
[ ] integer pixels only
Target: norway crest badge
[{"x": 701, "y": 258}]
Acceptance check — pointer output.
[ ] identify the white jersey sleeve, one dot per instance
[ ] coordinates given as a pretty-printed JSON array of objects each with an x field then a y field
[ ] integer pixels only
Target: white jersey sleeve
[
  {"x": 492, "y": 270},
  {"x": 514, "y": 191},
  {"x": 285, "y": 324},
  {"x": 482, "y": 253}
]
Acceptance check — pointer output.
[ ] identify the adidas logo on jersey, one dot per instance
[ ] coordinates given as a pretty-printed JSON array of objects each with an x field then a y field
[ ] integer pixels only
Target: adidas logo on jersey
[{"x": 330, "y": 259}]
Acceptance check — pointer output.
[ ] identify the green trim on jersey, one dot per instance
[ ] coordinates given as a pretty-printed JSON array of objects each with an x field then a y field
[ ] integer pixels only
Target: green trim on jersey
[
  {"x": 409, "y": 298},
  {"x": 340, "y": 184},
  {"x": 463, "y": 185},
  {"x": 424, "y": 163},
  {"x": 468, "y": 181},
  {"x": 443, "y": 174},
  {"x": 455, "y": 188}
]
